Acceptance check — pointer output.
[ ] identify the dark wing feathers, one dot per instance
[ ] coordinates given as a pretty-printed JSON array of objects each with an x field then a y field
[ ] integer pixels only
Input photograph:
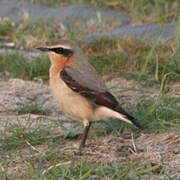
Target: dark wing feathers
[{"x": 98, "y": 97}]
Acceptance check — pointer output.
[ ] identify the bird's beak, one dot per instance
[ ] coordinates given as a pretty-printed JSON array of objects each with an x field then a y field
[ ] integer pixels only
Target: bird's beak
[{"x": 43, "y": 48}]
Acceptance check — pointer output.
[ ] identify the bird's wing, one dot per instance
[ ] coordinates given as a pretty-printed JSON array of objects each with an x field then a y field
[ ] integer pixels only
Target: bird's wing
[
  {"x": 98, "y": 95},
  {"x": 85, "y": 74}
]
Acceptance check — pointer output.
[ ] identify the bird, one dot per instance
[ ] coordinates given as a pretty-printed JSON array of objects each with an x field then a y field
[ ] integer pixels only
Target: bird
[{"x": 79, "y": 89}]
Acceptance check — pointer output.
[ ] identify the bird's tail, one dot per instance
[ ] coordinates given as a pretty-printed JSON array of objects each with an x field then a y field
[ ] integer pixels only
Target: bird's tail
[{"x": 130, "y": 118}]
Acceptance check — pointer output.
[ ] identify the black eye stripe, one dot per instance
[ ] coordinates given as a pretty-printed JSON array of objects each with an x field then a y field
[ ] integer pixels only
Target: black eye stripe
[{"x": 63, "y": 51}]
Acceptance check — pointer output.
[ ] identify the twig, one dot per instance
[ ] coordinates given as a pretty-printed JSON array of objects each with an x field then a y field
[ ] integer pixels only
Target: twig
[
  {"x": 157, "y": 68},
  {"x": 32, "y": 147},
  {"x": 3, "y": 171},
  {"x": 133, "y": 143},
  {"x": 164, "y": 80},
  {"x": 56, "y": 165},
  {"x": 2, "y": 168}
]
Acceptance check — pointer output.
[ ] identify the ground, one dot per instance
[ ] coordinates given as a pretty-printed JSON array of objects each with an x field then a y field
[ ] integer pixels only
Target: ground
[
  {"x": 140, "y": 66},
  {"x": 42, "y": 145}
]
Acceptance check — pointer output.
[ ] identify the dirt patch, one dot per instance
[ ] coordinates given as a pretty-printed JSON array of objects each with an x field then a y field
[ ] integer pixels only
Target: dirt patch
[
  {"x": 159, "y": 153},
  {"x": 156, "y": 154}
]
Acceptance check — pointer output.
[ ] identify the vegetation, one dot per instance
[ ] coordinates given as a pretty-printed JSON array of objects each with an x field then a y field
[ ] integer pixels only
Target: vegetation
[
  {"x": 50, "y": 155},
  {"x": 141, "y": 61},
  {"x": 30, "y": 151},
  {"x": 19, "y": 66},
  {"x": 32, "y": 109}
]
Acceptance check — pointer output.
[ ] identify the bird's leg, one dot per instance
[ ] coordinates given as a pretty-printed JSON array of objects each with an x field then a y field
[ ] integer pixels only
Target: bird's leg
[
  {"x": 85, "y": 134},
  {"x": 87, "y": 126}
]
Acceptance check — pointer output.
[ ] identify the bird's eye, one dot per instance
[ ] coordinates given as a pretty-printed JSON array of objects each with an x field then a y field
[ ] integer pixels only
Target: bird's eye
[
  {"x": 58, "y": 50},
  {"x": 63, "y": 51}
]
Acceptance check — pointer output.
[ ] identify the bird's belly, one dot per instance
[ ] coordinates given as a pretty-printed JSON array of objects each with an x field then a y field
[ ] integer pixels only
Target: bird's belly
[{"x": 71, "y": 102}]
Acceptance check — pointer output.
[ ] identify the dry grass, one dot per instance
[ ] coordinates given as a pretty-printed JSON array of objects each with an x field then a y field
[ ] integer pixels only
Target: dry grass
[
  {"x": 34, "y": 147},
  {"x": 145, "y": 156},
  {"x": 42, "y": 147}
]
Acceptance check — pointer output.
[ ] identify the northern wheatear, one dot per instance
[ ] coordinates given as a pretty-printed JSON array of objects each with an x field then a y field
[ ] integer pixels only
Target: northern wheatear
[{"x": 79, "y": 89}]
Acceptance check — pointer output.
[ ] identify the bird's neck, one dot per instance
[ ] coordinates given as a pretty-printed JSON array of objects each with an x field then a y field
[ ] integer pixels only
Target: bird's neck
[
  {"x": 57, "y": 64},
  {"x": 54, "y": 71}
]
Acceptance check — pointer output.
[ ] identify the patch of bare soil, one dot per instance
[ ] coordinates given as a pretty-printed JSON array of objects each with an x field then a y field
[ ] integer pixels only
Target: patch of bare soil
[
  {"x": 159, "y": 154},
  {"x": 15, "y": 93},
  {"x": 135, "y": 90}
]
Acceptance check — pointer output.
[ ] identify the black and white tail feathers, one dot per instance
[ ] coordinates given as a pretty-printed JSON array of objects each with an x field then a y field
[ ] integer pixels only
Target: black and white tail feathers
[{"x": 129, "y": 117}]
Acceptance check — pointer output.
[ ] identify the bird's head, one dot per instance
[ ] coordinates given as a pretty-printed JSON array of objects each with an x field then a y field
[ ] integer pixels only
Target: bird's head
[{"x": 61, "y": 52}]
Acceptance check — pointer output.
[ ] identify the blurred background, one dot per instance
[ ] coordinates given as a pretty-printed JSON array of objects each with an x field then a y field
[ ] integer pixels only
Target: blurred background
[{"x": 134, "y": 45}]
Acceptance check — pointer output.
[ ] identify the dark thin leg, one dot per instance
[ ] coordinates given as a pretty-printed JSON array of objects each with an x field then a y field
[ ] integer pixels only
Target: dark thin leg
[
  {"x": 84, "y": 137},
  {"x": 85, "y": 134}
]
